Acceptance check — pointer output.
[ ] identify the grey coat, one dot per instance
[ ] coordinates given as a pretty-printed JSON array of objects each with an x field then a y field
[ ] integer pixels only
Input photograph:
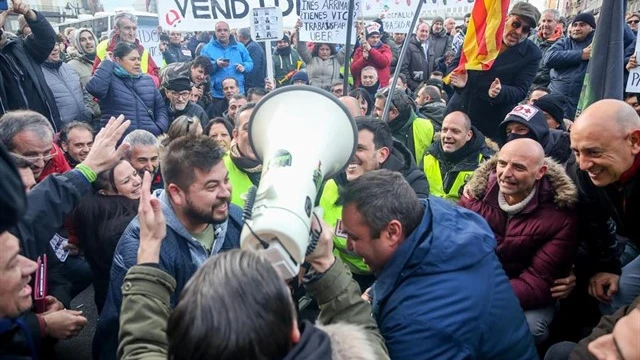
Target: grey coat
[
  {"x": 322, "y": 73},
  {"x": 71, "y": 99},
  {"x": 439, "y": 44}
]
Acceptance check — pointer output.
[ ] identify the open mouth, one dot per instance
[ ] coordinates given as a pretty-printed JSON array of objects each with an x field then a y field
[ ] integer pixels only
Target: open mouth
[{"x": 594, "y": 172}]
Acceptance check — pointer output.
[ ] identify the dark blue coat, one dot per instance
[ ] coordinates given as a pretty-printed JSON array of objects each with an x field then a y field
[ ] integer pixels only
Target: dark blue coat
[
  {"x": 118, "y": 96},
  {"x": 180, "y": 257},
  {"x": 564, "y": 59},
  {"x": 444, "y": 295},
  {"x": 255, "y": 78}
]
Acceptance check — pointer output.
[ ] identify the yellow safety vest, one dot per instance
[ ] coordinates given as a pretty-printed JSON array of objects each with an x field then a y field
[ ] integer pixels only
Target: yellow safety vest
[
  {"x": 332, "y": 215},
  {"x": 422, "y": 136},
  {"x": 240, "y": 182},
  {"x": 436, "y": 185},
  {"x": 101, "y": 52}
]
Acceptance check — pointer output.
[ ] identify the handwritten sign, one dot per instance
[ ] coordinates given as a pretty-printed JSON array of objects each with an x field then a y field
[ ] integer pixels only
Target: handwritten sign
[
  {"x": 150, "y": 39},
  {"x": 327, "y": 20},
  {"x": 201, "y": 15},
  {"x": 633, "y": 83},
  {"x": 266, "y": 24}
]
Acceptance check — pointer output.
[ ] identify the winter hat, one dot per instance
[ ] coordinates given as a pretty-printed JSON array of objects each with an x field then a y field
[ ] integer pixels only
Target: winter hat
[
  {"x": 553, "y": 105},
  {"x": 22, "y": 22},
  {"x": 300, "y": 76},
  {"x": 372, "y": 29},
  {"x": 586, "y": 18},
  {"x": 438, "y": 19},
  {"x": 529, "y": 116},
  {"x": 286, "y": 38},
  {"x": 528, "y": 11},
  {"x": 179, "y": 84}
]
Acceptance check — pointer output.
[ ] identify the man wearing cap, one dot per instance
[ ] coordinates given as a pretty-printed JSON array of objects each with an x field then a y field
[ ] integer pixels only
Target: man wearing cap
[
  {"x": 552, "y": 109},
  {"x": 527, "y": 121},
  {"x": 372, "y": 52},
  {"x": 487, "y": 96},
  {"x": 286, "y": 62},
  {"x": 300, "y": 78},
  {"x": 568, "y": 59},
  {"x": 178, "y": 93},
  {"x": 419, "y": 60}
]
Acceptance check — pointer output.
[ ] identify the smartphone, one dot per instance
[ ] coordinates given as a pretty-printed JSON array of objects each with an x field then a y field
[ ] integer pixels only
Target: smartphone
[
  {"x": 4, "y": 4},
  {"x": 225, "y": 60}
]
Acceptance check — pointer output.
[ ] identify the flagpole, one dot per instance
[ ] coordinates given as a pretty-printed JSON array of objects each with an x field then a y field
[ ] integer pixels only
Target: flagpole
[
  {"x": 347, "y": 50},
  {"x": 403, "y": 51}
]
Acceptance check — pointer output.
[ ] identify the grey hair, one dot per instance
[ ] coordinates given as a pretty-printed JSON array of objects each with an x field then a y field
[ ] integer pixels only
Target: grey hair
[
  {"x": 245, "y": 33},
  {"x": 556, "y": 14},
  {"x": 369, "y": 68},
  {"x": 15, "y": 122},
  {"x": 381, "y": 196},
  {"x": 123, "y": 15},
  {"x": 139, "y": 138}
]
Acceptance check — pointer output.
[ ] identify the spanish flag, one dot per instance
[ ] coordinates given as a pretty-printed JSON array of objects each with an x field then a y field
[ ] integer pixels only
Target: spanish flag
[{"x": 483, "y": 40}]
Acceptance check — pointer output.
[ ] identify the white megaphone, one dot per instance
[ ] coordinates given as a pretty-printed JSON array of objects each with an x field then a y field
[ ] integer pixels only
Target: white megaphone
[{"x": 303, "y": 135}]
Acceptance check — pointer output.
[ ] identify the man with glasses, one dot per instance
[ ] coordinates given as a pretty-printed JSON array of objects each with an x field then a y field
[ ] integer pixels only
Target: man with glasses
[
  {"x": 568, "y": 59},
  {"x": 488, "y": 96},
  {"x": 31, "y": 136},
  {"x": 178, "y": 93}
]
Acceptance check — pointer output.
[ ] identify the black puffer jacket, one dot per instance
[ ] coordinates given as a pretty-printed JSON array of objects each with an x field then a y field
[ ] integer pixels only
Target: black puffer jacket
[{"x": 415, "y": 61}]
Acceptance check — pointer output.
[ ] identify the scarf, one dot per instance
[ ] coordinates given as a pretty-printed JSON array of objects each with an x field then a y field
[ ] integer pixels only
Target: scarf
[
  {"x": 512, "y": 210},
  {"x": 122, "y": 73},
  {"x": 253, "y": 168},
  {"x": 557, "y": 34}
]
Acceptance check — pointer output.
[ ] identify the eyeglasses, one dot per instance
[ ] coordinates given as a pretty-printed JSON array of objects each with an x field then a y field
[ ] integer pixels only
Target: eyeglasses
[
  {"x": 633, "y": 22},
  {"x": 183, "y": 94},
  {"x": 189, "y": 122},
  {"x": 516, "y": 24},
  {"x": 34, "y": 159}
]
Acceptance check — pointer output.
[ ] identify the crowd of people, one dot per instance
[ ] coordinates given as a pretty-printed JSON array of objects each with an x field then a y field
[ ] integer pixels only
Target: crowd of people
[{"x": 478, "y": 218}]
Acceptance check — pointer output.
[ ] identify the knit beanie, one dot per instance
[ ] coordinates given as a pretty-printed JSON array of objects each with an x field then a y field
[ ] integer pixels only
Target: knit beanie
[
  {"x": 553, "y": 104},
  {"x": 586, "y": 18}
]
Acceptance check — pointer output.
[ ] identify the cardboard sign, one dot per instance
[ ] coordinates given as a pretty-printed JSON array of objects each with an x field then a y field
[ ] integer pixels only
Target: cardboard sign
[
  {"x": 633, "y": 83},
  {"x": 326, "y": 20},
  {"x": 150, "y": 39},
  {"x": 266, "y": 24}
]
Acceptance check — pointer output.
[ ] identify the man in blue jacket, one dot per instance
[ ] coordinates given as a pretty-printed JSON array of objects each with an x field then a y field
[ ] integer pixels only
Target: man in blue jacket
[
  {"x": 440, "y": 291},
  {"x": 201, "y": 222},
  {"x": 229, "y": 58}
]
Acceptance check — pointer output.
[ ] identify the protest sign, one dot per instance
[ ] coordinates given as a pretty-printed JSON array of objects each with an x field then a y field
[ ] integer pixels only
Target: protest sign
[
  {"x": 397, "y": 14},
  {"x": 633, "y": 83},
  {"x": 326, "y": 20},
  {"x": 266, "y": 24},
  {"x": 150, "y": 39},
  {"x": 201, "y": 15}
]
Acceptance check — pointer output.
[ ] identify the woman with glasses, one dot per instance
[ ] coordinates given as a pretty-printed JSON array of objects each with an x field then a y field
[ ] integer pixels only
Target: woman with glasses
[
  {"x": 100, "y": 219},
  {"x": 122, "y": 88}
]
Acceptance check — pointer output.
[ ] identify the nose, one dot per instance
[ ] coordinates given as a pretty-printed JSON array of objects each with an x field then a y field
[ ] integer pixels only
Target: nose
[
  {"x": 28, "y": 266},
  {"x": 226, "y": 191},
  {"x": 585, "y": 162}
]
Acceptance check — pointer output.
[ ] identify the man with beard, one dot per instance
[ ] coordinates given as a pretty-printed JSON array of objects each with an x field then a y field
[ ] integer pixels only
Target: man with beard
[
  {"x": 82, "y": 61},
  {"x": 201, "y": 222},
  {"x": 567, "y": 60},
  {"x": 178, "y": 93},
  {"x": 549, "y": 31},
  {"x": 76, "y": 139},
  {"x": 369, "y": 80},
  {"x": 244, "y": 167},
  {"x": 430, "y": 105},
  {"x": 439, "y": 42},
  {"x": 450, "y": 162},
  {"x": 143, "y": 154},
  {"x": 376, "y": 150},
  {"x": 286, "y": 61},
  {"x": 236, "y": 102},
  {"x": 488, "y": 96}
]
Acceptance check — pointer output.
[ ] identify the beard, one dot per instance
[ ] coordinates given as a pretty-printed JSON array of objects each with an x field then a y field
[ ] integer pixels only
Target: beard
[{"x": 203, "y": 215}]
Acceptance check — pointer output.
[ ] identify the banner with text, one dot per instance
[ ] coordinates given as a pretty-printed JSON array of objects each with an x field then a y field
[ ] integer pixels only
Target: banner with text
[
  {"x": 150, "y": 39},
  {"x": 633, "y": 82},
  {"x": 201, "y": 15},
  {"x": 326, "y": 20}
]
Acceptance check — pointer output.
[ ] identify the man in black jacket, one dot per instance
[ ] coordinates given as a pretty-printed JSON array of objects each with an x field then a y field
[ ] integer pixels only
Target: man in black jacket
[
  {"x": 255, "y": 78},
  {"x": 416, "y": 63},
  {"x": 22, "y": 83},
  {"x": 174, "y": 51},
  {"x": 178, "y": 93}
]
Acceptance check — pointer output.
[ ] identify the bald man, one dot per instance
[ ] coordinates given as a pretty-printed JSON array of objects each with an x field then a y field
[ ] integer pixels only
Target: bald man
[
  {"x": 352, "y": 104},
  {"x": 450, "y": 162},
  {"x": 450, "y": 25},
  {"x": 606, "y": 141},
  {"x": 529, "y": 203}
]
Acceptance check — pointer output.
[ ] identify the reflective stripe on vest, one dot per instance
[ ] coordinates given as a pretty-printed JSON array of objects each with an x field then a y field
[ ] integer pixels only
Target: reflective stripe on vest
[
  {"x": 101, "y": 52},
  {"x": 332, "y": 215},
  {"x": 435, "y": 179},
  {"x": 240, "y": 182},
  {"x": 422, "y": 136}
]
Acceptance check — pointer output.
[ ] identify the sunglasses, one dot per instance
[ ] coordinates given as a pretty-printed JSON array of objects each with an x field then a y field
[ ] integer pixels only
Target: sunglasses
[
  {"x": 633, "y": 22},
  {"x": 516, "y": 24}
]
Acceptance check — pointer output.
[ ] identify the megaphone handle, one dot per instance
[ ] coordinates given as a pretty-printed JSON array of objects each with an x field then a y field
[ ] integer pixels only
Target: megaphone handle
[{"x": 314, "y": 235}]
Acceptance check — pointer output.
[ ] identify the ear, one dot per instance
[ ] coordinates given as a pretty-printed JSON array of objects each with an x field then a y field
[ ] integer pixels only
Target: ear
[
  {"x": 176, "y": 194},
  {"x": 634, "y": 140},
  {"x": 295, "y": 333},
  {"x": 383, "y": 154},
  {"x": 234, "y": 133},
  {"x": 541, "y": 172},
  {"x": 394, "y": 233},
  {"x": 393, "y": 113},
  {"x": 469, "y": 135},
  {"x": 64, "y": 146}
]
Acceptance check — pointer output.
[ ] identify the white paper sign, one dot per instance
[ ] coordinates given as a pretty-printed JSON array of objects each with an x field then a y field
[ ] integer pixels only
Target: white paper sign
[
  {"x": 633, "y": 82},
  {"x": 326, "y": 20},
  {"x": 201, "y": 15},
  {"x": 57, "y": 244},
  {"x": 150, "y": 39},
  {"x": 266, "y": 24}
]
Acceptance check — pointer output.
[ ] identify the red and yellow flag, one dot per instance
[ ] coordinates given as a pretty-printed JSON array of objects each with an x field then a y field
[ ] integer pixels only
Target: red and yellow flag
[{"x": 483, "y": 40}]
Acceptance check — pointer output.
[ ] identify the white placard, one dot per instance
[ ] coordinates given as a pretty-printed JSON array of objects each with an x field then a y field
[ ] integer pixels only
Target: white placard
[
  {"x": 150, "y": 39},
  {"x": 326, "y": 20},
  {"x": 57, "y": 244},
  {"x": 201, "y": 15},
  {"x": 266, "y": 24},
  {"x": 633, "y": 82}
]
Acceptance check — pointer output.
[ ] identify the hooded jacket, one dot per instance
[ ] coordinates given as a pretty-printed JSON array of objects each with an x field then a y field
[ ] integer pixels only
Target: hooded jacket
[
  {"x": 414, "y": 133},
  {"x": 322, "y": 73},
  {"x": 180, "y": 257},
  {"x": 444, "y": 170},
  {"x": 348, "y": 333},
  {"x": 379, "y": 57},
  {"x": 82, "y": 63},
  {"x": 22, "y": 84},
  {"x": 286, "y": 61},
  {"x": 137, "y": 99},
  {"x": 237, "y": 54},
  {"x": 537, "y": 245},
  {"x": 434, "y": 111},
  {"x": 68, "y": 91},
  {"x": 444, "y": 295},
  {"x": 416, "y": 66},
  {"x": 564, "y": 59}
]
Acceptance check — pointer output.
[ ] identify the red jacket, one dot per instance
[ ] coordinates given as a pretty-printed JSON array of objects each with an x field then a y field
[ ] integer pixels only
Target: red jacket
[
  {"x": 152, "y": 69},
  {"x": 379, "y": 58},
  {"x": 537, "y": 245}
]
